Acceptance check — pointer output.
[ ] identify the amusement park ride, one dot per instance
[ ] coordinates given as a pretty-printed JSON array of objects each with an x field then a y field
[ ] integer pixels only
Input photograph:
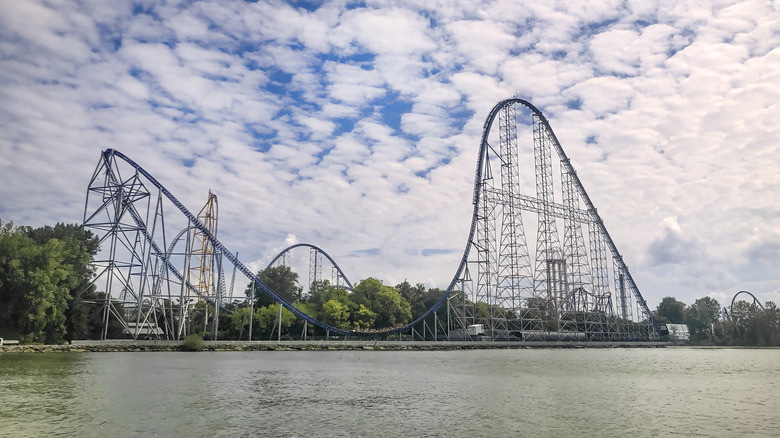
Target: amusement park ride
[{"x": 158, "y": 259}]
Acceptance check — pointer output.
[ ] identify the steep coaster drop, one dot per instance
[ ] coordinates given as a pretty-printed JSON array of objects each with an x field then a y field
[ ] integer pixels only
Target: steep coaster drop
[{"x": 562, "y": 291}]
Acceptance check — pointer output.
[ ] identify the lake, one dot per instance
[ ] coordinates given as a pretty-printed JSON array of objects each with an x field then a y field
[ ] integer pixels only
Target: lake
[{"x": 471, "y": 393}]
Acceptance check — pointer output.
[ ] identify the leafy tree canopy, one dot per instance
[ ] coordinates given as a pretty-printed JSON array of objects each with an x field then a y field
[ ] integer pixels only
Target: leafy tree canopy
[
  {"x": 35, "y": 285},
  {"x": 282, "y": 280},
  {"x": 672, "y": 310},
  {"x": 390, "y": 307},
  {"x": 700, "y": 317}
]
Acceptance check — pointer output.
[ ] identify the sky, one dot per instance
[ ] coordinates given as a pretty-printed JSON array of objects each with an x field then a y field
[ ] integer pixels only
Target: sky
[{"x": 355, "y": 126}]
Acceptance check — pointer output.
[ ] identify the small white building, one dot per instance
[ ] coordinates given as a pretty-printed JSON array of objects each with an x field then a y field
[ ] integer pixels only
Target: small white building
[
  {"x": 476, "y": 330},
  {"x": 676, "y": 332}
]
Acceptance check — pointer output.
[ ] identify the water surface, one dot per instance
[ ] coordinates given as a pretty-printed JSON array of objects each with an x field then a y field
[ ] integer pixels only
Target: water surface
[{"x": 534, "y": 393}]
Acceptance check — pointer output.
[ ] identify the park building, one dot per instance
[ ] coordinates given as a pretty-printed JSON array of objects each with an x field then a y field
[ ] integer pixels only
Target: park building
[{"x": 674, "y": 332}]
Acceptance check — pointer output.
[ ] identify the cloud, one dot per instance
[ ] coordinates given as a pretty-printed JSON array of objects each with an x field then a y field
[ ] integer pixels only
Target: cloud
[
  {"x": 672, "y": 247},
  {"x": 389, "y": 31},
  {"x": 762, "y": 246},
  {"x": 352, "y": 84},
  {"x": 357, "y": 125},
  {"x": 482, "y": 44}
]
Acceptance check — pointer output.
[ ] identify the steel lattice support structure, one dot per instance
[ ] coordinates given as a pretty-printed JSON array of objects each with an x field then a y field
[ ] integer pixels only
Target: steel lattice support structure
[
  {"x": 570, "y": 293},
  {"x": 201, "y": 269},
  {"x": 112, "y": 212},
  {"x": 150, "y": 280},
  {"x": 202, "y": 263},
  {"x": 562, "y": 291},
  {"x": 315, "y": 264},
  {"x": 485, "y": 245},
  {"x": 515, "y": 279},
  {"x": 142, "y": 270},
  {"x": 550, "y": 265}
]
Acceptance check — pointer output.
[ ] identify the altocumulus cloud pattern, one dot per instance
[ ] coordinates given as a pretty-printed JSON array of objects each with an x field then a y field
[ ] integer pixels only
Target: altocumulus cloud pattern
[{"x": 366, "y": 114}]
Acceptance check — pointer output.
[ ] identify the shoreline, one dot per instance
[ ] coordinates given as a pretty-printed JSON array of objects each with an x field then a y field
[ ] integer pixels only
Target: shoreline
[{"x": 319, "y": 345}]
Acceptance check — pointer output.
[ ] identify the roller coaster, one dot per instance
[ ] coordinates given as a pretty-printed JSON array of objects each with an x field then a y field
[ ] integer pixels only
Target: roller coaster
[
  {"x": 156, "y": 253},
  {"x": 728, "y": 313},
  {"x": 316, "y": 254}
]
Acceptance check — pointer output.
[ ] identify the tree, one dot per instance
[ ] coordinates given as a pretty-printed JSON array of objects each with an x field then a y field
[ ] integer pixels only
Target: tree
[
  {"x": 750, "y": 325},
  {"x": 415, "y": 295},
  {"x": 390, "y": 307},
  {"x": 267, "y": 318},
  {"x": 769, "y": 325},
  {"x": 79, "y": 248},
  {"x": 34, "y": 286},
  {"x": 365, "y": 292},
  {"x": 198, "y": 317},
  {"x": 723, "y": 333},
  {"x": 239, "y": 320},
  {"x": 282, "y": 280},
  {"x": 299, "y": 324},
  {"x": 322, "y": 292},
  {"x": 363, "y": 317},
  {"x": 745, "y": 317},
  {"x": 336, "y": 314},
  {"x": 700, "y": 317},
  {"x": 95, "y": 306},
  {"x": 672, "y": 310},
  {"x": 317, "y": 289}
]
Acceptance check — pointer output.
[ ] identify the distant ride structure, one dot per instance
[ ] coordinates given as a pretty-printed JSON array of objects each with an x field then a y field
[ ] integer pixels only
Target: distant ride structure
[
  {"x": 576, "y": 284},
  {"x": 755, "y": 300},
  {"x": 146, "y": 285},
  {"x": 201, "y": 266},
  {"x": 574, "y": 287},
  {"x": 315, "y": 265},
  {"x": 729, "y": 313}
]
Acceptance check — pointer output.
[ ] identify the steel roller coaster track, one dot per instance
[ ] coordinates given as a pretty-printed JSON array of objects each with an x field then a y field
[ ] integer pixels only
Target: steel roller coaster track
[
  {"x": 121, "y": 196},
  {"x": 318, "y": 251},
  {"x": 110, "y": 154}
]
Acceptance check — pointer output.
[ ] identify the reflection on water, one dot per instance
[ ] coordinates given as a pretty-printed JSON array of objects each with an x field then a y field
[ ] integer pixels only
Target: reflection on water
[{"x": 621, "y": 392}]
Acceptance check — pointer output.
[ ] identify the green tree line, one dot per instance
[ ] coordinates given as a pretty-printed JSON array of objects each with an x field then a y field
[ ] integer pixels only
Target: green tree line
[
  {"x": 45, "y": 286},
  {"x": 46, "y": 296},
  {"x": 371, "y": 305},
  {"x": 748, "y": 324}
]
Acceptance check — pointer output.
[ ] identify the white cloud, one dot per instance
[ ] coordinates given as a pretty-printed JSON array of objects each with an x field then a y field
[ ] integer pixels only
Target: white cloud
[
  {"x": 388, "y": 31},
  {"x": 484, "y": 45},
  {"x": 352, "y": 84},
  {"x": 603, "y": 95},
  {"x": 356, "y": 127},
  {"x": 674, "y": 246}
]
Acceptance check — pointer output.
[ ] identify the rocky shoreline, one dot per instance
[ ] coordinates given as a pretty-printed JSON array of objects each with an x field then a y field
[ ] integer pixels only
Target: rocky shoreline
[{"x": 160, "y": 346}]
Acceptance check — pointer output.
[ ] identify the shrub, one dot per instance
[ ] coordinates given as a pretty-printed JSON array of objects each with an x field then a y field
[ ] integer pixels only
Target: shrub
[{"x": 193, "y": 342}]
